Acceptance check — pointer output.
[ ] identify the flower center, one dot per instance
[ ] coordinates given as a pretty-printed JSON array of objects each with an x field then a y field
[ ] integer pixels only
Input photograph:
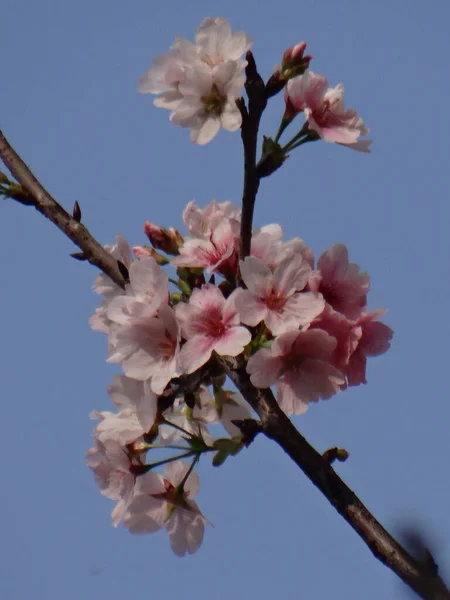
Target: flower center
[
  {"x": 275, "y": 302},
  {"x": 214, "y": 101}
]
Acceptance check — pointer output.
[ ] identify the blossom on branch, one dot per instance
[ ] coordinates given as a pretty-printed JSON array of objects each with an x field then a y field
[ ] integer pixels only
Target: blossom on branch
[
  {"x": 209, "y": 323},
  {"x": 274, "y": 297},
  {"x": 162, "y": 502},
  {"x": 299, "y": 363},
  {"x": 200, "y": 82},
  {"x": 340, "y": 282},
  {"x": 324, "y": 111}
]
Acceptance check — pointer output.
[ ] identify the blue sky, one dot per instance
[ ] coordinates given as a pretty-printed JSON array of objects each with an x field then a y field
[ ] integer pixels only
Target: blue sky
[{"x": 69, "y": 105}]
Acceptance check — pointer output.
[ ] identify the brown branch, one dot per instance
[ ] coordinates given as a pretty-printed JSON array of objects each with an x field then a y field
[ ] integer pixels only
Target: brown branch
[
  {"x": 43, "y": 202},
  {"x": 275, "y": 424},
  {"x": 257, "y": 102}
]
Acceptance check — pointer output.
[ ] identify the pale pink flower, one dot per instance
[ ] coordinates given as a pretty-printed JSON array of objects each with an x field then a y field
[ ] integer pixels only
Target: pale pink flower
[
  {"x": 147, "y": 348},
  {"x": 137, "y": 406},
  {"x": 105, "y": 285},
  {"x": 374, "y": 340},
  {"x": 324, "y": 110},
  {"x": 200, "y": 82},
  {"x": 274, "y": 298},
  {"x": 268, "y": 247},
  {"x": 159, "y": 502},
  {"x": 147, "y": 290},
  {"x": 209, "y": 323},
  {"x": 218, "y": 253},
  {"x": 300, "y": 364},
  {"x": 340, "y": 282},
  {"x": 209, "y": 100},
  {"x": 202, "y": 222},
  {"x": 113, "y": 473}
]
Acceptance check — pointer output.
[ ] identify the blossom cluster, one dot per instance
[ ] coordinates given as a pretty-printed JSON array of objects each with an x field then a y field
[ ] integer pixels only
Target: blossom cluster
[
  {"x": 301, "y": 326},
  {"x": 201, "y": 82}
]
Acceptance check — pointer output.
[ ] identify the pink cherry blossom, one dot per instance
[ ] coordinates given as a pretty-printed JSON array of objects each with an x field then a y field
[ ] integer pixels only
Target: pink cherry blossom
[
  {"x": 147, "y": 290},
  {"x": 104, "y": 285},
  {"x": 200, "y": 82},
  {"x": 147, "y": 347},
  {"x": 137, "y": 406},
  {"x": 274, "y": 298},
  {"x": 268, "y": 247},
  {"x": 113, "y": 472},
  {"x": 300, "y": 364},
  {"x": 340, "y": 282},
  {"x": 218, "y": 253},
  {"x": 209, "y": 323},
  {"x": 160, "y": 502},
  {"x": 202, "y": 222},
  {"x": 346, "y": 332},
  {"x": 374, "y": 340},
  {"x": 324, "y": 110}
]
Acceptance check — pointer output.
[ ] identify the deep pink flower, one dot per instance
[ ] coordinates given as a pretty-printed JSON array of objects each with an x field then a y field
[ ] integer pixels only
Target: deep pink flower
[
  {"x": 375, "y": 340},
  {"x": 300, "y": 364},
  {"x": 324, "y": 110},
  {"x": 209, "y": 323},
  {"x": 340, "y": 282}
]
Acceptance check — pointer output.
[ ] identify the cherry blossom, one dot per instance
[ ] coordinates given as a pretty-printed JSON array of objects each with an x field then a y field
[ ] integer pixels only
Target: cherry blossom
[
  {"x": 147, "y": 290},
  {"x": 209, "y": 323},
  {"x": 105, "y": 286},
  {"x": 147, "y": 348},
  {"x": 200, "y": 82},
  {"x": 218, "y": 253},
  {"x": 324, "y": 110},
  {"x": 274, "y": 298},
  {"x": 202, "y": 222},
  {"x": 162, "y": 502},
  {"x": 374, "y": 340},
  {"x": 300, "y": 364},
  {"x": 112, "y": 468},
  {"x": 340, "y": 282},
  {"x": 137, "y": 406}
]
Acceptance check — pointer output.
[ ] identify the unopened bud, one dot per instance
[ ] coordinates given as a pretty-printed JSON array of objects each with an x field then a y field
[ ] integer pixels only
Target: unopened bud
[
  {"x": 142, "y": 251},
  {"x": 294, "y": 62},
  {"x": 167, "y": 240}
]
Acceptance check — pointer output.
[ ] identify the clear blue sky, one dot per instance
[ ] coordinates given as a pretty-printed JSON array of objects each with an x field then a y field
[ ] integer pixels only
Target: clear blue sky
[{"x": 68, "y": 103}]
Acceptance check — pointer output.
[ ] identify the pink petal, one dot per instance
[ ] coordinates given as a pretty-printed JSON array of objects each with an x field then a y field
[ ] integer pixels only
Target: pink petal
[
  {"x": 195, "y": 353},
  {"x": 233, "y": 341}
]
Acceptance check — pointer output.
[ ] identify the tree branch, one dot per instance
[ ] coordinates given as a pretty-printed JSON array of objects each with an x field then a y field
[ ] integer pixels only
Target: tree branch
[
  {"x": 36, "y": 195},
  {"x": 424, "y": 580},
  {"x": 257, "y": 102}
]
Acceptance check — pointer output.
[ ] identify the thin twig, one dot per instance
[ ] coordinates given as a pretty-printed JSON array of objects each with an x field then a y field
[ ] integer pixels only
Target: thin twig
[
  {"x": 275, "y": 424},
  {"x": 44, "y": 203}
]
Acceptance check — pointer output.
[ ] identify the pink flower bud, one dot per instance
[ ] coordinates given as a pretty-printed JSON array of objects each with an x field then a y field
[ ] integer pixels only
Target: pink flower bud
[
  {"x": 162, "y": 239},
  {"x": 294, "y": 62},
  {"x": 142, "y": 251}
]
